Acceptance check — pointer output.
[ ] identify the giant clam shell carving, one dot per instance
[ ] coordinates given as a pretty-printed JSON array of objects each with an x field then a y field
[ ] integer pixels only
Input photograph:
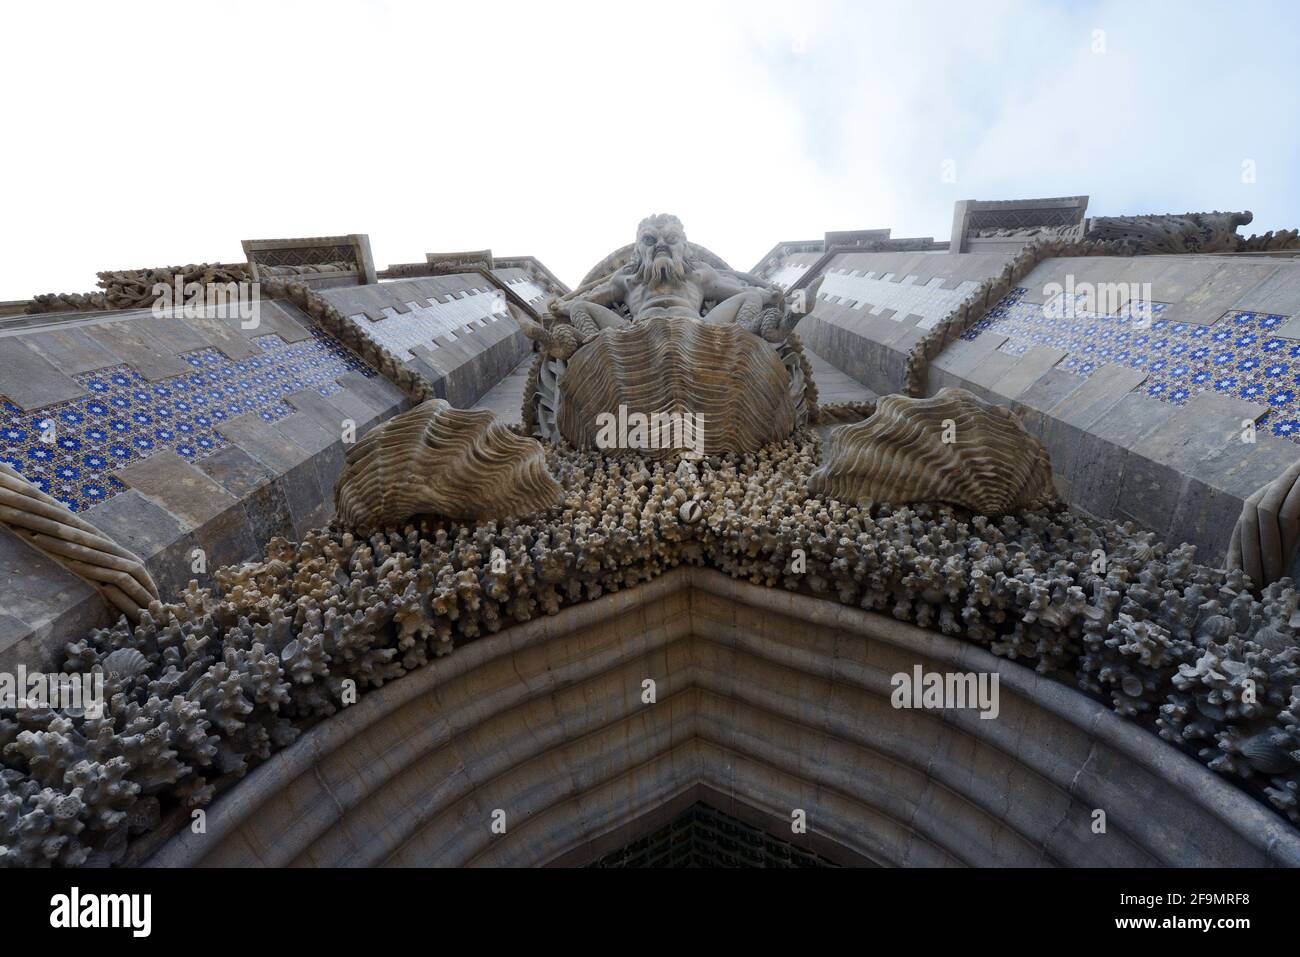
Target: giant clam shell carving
[
  {"x": 434, "y": 459},
  {"x": 991, "y": 466},
  {"x": 727, "y": 375}
]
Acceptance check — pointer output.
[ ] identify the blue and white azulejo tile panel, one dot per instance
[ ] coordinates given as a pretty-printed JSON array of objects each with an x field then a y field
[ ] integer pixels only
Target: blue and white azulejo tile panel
[
  {"x": 1239, "y": 355},
  {"x": 69, "y": 450}
]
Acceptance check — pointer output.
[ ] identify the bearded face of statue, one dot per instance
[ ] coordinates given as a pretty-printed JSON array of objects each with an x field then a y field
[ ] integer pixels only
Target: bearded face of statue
[{"x": 661, "y": 250}]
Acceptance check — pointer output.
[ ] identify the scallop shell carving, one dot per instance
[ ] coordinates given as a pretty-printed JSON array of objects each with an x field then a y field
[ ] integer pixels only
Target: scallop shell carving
[
  {"x": 991, "y": 465},
  {"x": 732, "y": 381},
  {"x": 434, "y": 459},
  {"x": 127, "y": 662}
]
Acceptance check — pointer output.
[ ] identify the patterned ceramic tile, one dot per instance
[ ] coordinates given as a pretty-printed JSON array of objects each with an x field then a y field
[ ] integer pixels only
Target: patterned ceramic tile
[
  {"x": 69, "y": 450},
  {"x": 399, "y": 332},
  {"x": 1239, "y": 355},
  {"x": 526, "y": 289},
  {"x": 929, "y": 301},
  {"x": 789, "y": 274}
]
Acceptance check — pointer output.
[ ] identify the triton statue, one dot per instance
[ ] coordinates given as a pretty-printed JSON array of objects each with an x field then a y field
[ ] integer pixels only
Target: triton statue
[
  {"x": 664, "y": 278},
  {"x": 660, "y": 276}
]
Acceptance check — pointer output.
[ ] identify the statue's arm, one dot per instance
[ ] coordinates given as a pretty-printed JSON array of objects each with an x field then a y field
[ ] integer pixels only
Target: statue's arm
[
  {"x": 604, "y": 293},
  {"x": 720, "y": 284}
]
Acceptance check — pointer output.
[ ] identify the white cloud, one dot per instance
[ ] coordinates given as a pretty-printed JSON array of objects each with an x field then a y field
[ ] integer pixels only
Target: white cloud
[{"x": 163, "y": 133}]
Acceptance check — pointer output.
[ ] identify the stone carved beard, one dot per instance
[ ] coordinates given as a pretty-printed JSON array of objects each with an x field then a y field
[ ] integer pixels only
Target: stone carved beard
[{"x": 657, "y": 272}]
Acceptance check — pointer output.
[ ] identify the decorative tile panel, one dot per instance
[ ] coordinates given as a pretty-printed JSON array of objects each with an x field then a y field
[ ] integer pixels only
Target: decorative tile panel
[
  {"x": 399, "y": 332},
  {"x": 1240, "y": 355},
  {"x": 789, "y": 274},
  {"x": 527, "y": 290},
  {"x": 70, "y": 449},
  {"x": 931, "y": 302}
]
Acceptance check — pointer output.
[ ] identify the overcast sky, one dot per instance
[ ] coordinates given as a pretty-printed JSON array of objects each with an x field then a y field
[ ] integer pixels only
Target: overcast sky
[{"x": 143, "y": 134}]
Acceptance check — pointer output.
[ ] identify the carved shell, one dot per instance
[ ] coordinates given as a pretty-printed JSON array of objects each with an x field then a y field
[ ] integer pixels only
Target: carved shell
[
  {"x": 991, "y": 465},
  {"x": 434, "y": 459},
  {"x": 1265, "y": 754},
  {"x": 127, "y": 662},
  {"x": 730, "y": 377}
]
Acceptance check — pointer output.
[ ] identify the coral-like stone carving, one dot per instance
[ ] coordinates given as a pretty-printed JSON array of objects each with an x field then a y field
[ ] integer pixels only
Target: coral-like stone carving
[
  {"x": 1214, "y": 232},
  {"x": 234, "y": 672},
  {"x": 134, "y": 288},
  {"x": 434, "y": 459},
  {"x": 1270, "y": 241},
  {"x": 1187, "y": 233},
  {"x": 680, "y": 366},
  {"x": 950, "y": 448}
]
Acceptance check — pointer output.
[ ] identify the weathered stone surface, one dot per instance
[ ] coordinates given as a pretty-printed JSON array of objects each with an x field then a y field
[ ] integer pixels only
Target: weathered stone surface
[
  {"x": 39, "y": 601},
  {"x": 1017, "y": 790},
  {"x": 72, "y": 350},
  {"x": 30, "y": 381},
  {"x": 1033, "y": 365},
  {"x": 679, "y": 366},
  {"x": 434, "y": 459},
  {"x": 1278, "y": 294},
  {"x": 1097, "y": 394},
  {"x": 1219, "y": 293},
  {"x": 235, "y": 470},
  {"x": 950, "y": 448},
  {"x": 264, "y": 443},
  {"x": 173, "y": 483},
  {"x": 138, "y": 350}
]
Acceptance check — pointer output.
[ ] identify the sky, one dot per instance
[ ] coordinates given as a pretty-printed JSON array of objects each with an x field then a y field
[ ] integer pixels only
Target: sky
[{"x": 152, "y": 134}]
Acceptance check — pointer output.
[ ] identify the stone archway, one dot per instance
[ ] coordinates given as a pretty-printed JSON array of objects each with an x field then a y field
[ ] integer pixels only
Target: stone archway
[{"x": 767, "y": 699}]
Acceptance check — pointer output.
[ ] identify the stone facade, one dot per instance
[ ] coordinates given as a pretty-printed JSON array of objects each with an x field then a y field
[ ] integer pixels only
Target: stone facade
[{"x": 427, "y": 588}]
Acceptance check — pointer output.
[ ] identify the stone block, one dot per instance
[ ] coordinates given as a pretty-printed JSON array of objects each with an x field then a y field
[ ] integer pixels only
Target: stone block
[
  {"x": 1243, "y": 468},
  {"x": 225, "y": 335},
  {"x": 304, "y": 430},
  {"x": 72, "y": 350},
  {"x": 1049, "y": 389},
  {"x": 173, "y": 483},
  {"x": 1032, "y": 366},
  {"x": 1174, "y": 278},
  {"x": 43, "y": 604},
  {"x": 1219, "y": 293},
  {"x": 265, "y": 444},
  {"x": 1206, "y": 424},
  {"x": 1278, "y": 294},
  {"x": 376, "y": 391},
  {"x": 988, "y": 374},
  {"x": 31, "y": 381},
  {"x": 1206, "y": 516},
  {"x": 227, "y": 539},
  {"x": 151, "y": 532},
  {"x": 1150, "y": 493},
  {"x": 1133, "y": 417},
  {"x": 281, "y": 318},
  {"x": 309, "y": 505},
  {"x": 970, "y": 359},
  {"x": 268, "y": 513},
  {"x": 138, "y": 350},
  {"x": 1100, "y": 392},
  {"x": 235, "y": 470}
]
